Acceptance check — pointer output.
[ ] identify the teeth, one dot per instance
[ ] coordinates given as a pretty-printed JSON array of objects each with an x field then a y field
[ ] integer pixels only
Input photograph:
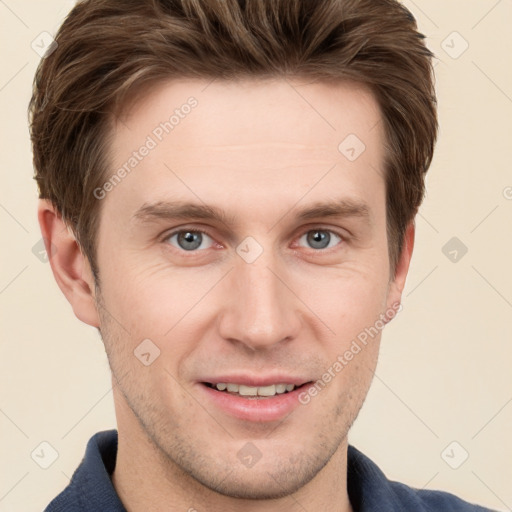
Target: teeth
[
  {"x": 267, "y": 390},
  {"x": 243, "y": 390},
  {"x": 247, "y": 390}
]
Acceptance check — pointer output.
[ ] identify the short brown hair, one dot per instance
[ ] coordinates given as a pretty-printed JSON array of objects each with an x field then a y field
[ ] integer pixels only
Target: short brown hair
[{"x": 107, "y": 49}]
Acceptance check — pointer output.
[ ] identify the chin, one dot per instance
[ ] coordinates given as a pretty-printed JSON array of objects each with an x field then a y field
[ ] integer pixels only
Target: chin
[{"x": 250, "y": 484}]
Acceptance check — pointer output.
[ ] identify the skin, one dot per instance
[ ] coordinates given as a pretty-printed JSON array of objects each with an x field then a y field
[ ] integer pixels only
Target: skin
[{"x": 261, "y": 152}]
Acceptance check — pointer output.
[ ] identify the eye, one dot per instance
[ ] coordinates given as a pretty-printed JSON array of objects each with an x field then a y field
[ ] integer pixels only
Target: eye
[
  {"x": 189, "y": 240},
  {"x": 321, "y": 238}
]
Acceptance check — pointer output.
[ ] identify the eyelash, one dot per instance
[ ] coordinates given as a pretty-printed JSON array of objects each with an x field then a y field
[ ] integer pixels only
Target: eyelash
[{"x": 165, "y": 239}]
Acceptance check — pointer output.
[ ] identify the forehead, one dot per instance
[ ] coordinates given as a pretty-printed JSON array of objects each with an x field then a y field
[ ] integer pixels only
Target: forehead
[
  {"x": 251, "y": 112},
  {"x": 262, "y": 140}
]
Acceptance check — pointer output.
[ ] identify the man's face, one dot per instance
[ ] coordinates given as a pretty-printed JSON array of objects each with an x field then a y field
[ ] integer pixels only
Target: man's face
[{"x": 264, "y": 296}]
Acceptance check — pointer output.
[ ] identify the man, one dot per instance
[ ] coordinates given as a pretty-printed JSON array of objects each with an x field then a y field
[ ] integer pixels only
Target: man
[{"x": 228, "y": 192}]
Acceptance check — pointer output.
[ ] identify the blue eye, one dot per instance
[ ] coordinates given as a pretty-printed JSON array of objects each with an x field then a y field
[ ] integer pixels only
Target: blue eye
[
  {"x": 193, "y": 240},
  {"x": 321, "y": 238},
  {"x": 188, "y": 240}
]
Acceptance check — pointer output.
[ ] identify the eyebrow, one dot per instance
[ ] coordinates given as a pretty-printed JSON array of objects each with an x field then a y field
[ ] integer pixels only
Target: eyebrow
[{"x": 172, "y": 210}]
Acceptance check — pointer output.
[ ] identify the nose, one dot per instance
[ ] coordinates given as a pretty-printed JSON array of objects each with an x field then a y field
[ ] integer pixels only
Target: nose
[{"x": 261, "y": 309}]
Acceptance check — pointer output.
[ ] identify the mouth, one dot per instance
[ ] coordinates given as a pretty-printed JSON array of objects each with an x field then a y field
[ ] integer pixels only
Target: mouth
[
  {"x": 254, "y": 392},
  {"x": 257, "y": 404}
]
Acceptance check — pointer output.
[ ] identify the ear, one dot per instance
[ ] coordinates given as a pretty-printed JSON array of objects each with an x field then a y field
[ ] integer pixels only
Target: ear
[
  {"x": 397, "y": 283},
  {"x": 70, "y": 267}
]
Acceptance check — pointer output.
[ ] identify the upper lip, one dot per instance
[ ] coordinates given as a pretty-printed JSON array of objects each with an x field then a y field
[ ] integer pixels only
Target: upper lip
[{"x": 256, "y": 380}]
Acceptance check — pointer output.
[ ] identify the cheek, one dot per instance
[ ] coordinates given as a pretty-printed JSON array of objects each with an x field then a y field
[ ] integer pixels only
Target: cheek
[
  {"x": 151, "y": 299},
  {"x": 348, "y": 302},
  {"x": 355, "y": 316}
]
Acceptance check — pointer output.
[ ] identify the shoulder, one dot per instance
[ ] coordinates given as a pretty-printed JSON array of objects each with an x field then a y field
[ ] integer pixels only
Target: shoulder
[
  {"x": 369, "y": 489},
  {"x": 432, "y": 501},
  {"x": 90, "y": 488}
]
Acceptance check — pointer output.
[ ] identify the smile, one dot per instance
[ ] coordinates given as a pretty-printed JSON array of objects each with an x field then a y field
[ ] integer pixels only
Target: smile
[
  {"x": 271, "y": 402},
  {"x": 252, "y": 391}
]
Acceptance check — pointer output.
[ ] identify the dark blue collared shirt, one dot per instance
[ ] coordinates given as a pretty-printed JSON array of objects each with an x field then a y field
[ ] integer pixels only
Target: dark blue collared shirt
[{"x": 91, "y": 489}]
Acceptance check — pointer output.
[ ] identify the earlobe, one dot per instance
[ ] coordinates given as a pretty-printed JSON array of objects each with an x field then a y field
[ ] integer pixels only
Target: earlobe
[
  {"x": 69, "y": 265},
  {"x": 397, "y": 284}
]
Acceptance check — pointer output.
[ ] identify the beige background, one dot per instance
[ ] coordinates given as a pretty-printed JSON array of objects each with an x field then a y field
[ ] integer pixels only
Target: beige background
[{"x": 444, "y": 373}]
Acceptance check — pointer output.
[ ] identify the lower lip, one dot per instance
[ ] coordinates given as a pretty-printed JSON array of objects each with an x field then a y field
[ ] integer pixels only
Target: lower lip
[{"x": 255, "y": 409}]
